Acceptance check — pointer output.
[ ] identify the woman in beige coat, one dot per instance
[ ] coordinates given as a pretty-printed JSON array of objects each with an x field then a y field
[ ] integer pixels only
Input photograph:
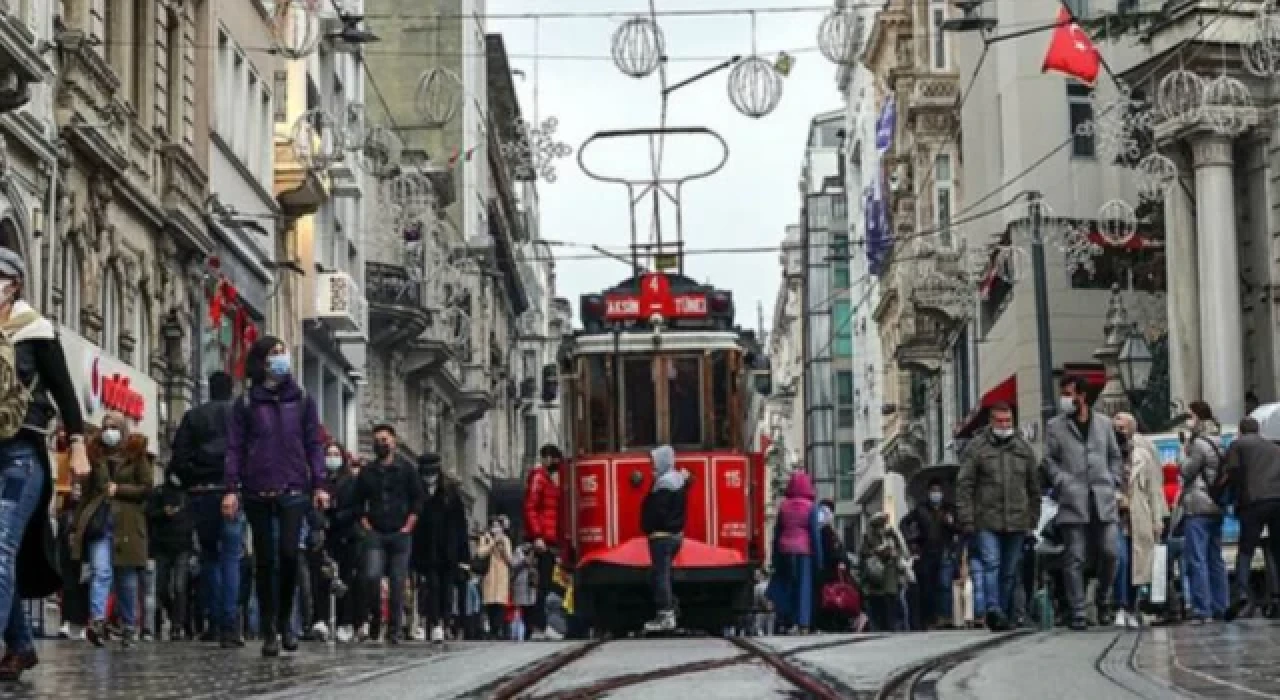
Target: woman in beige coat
[
  {"x": 495, "y": 589},
  {"x": 1145, "y": 497}
]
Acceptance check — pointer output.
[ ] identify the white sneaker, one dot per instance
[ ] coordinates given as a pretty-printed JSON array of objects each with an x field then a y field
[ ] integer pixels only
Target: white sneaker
[
  {"x": 1122, "y": 618},
  {"x": 320, "y": 631},
  {"x": 555, "y": 636},
  {"x": 363, "y": 635},
  {"x": 418, "y": 634},
  {"x": 665, "y": 622},
  {"x": 64, "y": 632},
  {"x": 437, "y": 634},
  {"x": 345, "y": 634}
]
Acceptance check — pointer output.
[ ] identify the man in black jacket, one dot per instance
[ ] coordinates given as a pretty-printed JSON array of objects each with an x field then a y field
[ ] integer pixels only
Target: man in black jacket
[
  {"x": 1253, "y": 471},
  {"x": 388, "y": 499},
  {"x": 440, "y": 545},
  {"x": 662, "y": 517},
  {"x": 199, "y": 454}
]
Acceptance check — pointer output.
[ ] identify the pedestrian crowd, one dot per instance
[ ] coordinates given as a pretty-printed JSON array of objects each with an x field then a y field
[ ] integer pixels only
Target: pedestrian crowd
[{"x": 1080, "y": 536}]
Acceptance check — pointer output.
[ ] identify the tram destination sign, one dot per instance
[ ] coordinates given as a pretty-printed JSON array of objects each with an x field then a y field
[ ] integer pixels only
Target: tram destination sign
[{"x": 654, "y": 297}]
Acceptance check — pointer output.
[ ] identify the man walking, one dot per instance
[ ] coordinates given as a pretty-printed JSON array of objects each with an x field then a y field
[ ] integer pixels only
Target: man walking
[
  {"x": 998, "y": 503},
  {"x": 199, "y": 454},
  {"x": 1085, "y": 467},
  {"x": 542, "y": 526},
  {"x": 1253, "y": 469},
  {"x": 930, "y": 532},
  {"x": 440, "y": 545},
  {"x": 388, "y": 498}
]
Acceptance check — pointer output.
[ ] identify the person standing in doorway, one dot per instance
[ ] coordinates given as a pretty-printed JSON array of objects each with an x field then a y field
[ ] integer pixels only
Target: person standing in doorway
[
  {"x": 542, "y": 526},
  {"x": 275, "y": 458},
  {"x": 662, "y": 516},
  {"x": 1085, "y": 468},
  {"x": 389, "y": 497},
  {"x": 198, "y": 463},
  {"x": 998, "y": 504}
]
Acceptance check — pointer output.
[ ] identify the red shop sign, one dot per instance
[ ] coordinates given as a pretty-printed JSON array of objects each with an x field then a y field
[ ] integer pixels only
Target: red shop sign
[{"x": 117, "y": 395}]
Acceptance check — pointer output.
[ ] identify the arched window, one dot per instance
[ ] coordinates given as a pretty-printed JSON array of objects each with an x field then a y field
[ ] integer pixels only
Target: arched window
[
  {"x": 71, "y": 299},
  {"x": 111, "y": 312},
  {"x": 142, "y": 337}
]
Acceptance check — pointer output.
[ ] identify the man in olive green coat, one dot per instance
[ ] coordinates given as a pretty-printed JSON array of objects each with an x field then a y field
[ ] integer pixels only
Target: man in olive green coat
[{"x": 997, "y": 504}]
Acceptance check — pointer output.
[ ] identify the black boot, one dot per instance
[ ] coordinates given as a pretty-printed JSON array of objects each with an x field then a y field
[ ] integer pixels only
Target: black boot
[
  {"x": 270, "y": 642},
  {"x": 230, "y": 638},
  {"x": 289, "y": 639}
]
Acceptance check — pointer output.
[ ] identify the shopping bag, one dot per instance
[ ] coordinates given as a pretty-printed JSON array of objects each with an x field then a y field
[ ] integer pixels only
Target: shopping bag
[
  {"x": 841, "y": 598},
  {"x": 1160, "y": 574}
]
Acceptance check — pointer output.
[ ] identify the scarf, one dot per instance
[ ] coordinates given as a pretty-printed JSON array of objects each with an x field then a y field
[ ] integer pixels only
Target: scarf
[{"x": 25, "y": 322}]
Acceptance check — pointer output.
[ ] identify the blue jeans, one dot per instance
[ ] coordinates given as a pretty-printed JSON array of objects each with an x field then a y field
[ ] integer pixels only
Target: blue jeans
[
  {"x": 1206, "y": 571},
  {"x": 23, "y": 484},
  {"x": 221, "y": 544},
  {"x": 1001, "y": 554},
  {"x": 104, "y": 576},
  {"x": 1123, "y": 571}
]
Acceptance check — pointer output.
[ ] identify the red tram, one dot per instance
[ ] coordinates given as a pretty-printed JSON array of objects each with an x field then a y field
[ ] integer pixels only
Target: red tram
[{"x": 659, "y": 361}]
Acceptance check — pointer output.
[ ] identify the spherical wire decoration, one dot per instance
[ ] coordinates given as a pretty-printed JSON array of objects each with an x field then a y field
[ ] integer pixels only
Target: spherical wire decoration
[
  {"x": 840, "y": 37},
  {"x": 1117, "y": 223},
  {"x": 638, "y": 47},
  {"x": 317, "y": 140},
  {"x": 1011, "y": 263},
  {"x": 407, "y": 206},
  {"x": 295, "y": 28},
  {"x": 1226, "y": 105},
  {"x": 1079, "y": 251},
  {"x": 1260, "y": 46},
  {"x": 755, "y": 87},
  {"x": 439, "y": 97},
  {"x": 355, "y": 126},
  {"x": 381, "y": 152},
  {"x": 1179, "y": 95},
  {"x": 1155, "y": 175}
]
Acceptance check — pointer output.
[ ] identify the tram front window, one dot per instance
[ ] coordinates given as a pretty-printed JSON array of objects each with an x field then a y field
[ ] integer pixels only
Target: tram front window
[
  {"x": 600, "y": 388},
  {"x": 641, "y": 417},
  {"x": 684, "y": 392}
]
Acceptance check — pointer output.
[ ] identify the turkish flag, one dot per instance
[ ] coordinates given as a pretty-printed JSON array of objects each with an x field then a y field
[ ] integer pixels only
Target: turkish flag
[
  {"x": 655, "y": 296},
  {"x": 1071, "y": 52}
]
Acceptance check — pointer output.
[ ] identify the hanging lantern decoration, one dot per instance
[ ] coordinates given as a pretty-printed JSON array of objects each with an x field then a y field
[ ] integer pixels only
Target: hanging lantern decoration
[
  {"x": 355, "y": 126},
  {"x": 1156, "y": 175},
  {"x": 840, "y": 37},
  {"x": 1227, "y": 105},
  {"x": 317, "y": 140},
  {"x": 638, "y": 47},
  {"x": 1179, "y": 95},
  {"x": 439, "y": 97},
  {"x": 295, "y": 28},
  {"x": 382, "y": 150},
  {"x": 1117, "y": 223},
  {"x": 755, "y": 87}
]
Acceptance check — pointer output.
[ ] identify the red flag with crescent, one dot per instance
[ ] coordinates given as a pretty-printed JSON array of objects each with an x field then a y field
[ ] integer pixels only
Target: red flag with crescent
[{"x": 1071, "y": 51}]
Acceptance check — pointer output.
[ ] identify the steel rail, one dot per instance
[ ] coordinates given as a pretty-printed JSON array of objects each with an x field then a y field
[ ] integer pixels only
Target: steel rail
[{"x": 904, "y": 683}]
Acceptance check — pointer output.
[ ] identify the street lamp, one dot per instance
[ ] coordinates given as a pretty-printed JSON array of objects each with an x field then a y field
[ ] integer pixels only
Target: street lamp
[{"x": 1135, "y": 362}]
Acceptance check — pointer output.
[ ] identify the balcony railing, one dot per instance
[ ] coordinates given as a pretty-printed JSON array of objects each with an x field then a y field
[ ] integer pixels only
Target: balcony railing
[{"x": 390, "y": 285}]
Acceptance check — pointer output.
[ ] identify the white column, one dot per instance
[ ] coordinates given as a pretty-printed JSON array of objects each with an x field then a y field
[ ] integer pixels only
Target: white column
[
  {"x": 1222, "y": 361},
  {"x": 1183, "y": 293}
]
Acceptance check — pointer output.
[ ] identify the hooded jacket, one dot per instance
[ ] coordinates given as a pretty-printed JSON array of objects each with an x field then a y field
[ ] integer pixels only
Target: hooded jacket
[
  {"x": 542, "y": 507},
  {"x": 795, "y": 515},
  {"x": 273, "y": 441},
  {"x": 665, "y": 506}
]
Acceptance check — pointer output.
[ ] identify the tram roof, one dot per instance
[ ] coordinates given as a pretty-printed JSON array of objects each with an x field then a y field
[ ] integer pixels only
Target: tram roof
[{"x": 667, "y": 341}]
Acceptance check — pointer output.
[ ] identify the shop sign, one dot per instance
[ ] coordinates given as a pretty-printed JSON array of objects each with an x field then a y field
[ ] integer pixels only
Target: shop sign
[
  {"x": 106, "y": 383},
  {"x": 113, "y": 392}
]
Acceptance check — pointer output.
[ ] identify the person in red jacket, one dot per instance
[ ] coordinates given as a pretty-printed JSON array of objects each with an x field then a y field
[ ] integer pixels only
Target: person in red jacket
[{"x": 542, "y": 527}]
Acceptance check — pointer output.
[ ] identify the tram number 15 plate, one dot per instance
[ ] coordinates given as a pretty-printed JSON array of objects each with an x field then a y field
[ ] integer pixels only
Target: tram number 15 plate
[{"x": 733, "y": 479}]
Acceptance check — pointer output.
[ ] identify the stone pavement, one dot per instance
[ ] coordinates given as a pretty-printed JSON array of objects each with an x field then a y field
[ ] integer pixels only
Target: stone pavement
[{"x": 1239, "y": 660}]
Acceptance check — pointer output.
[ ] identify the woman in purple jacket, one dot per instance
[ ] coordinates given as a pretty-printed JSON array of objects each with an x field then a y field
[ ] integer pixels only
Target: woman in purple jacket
[{"x": 275, "y": 462}]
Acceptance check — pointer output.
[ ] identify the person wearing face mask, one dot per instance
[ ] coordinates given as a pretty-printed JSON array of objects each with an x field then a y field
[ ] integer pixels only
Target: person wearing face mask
[
  {"x": 542, "y": 526},
  {"x": 441, "y": 550},
  {"x": 346, "y": 538},
  {"x": 1085, "y": 468},
  {"x": 111, "y": 525},
  {"x": 1144, "y": 510},
  {"x": 389, "y": 497},
  {"x": 495, "y": 586},
  {"x": 1202, "y": 521},
  {"x": 930, "y": 531},
  {"x": 319, "y": 559},
  {"x": 997, "y": 504},
  {"x": 275, "y": 463}
]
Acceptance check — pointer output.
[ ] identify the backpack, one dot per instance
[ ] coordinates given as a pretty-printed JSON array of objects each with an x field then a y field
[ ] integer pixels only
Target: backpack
[
  {"x": 213, "y": 450},
  {"x": 15, "y": 397},
  {"x": 1220, "y": 489}
]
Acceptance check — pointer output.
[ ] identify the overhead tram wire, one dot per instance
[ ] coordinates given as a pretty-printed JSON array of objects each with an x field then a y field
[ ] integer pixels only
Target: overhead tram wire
[{"x": 629, "y": 13}]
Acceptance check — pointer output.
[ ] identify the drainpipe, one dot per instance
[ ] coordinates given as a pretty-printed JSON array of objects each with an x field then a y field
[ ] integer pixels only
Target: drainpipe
[{"x": 51, "y": 226}]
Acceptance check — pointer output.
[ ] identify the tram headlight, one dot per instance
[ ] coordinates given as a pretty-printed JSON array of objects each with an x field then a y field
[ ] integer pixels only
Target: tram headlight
[
  {"x": 592, "y": 310},
  {"x": 720, "y": 308}
]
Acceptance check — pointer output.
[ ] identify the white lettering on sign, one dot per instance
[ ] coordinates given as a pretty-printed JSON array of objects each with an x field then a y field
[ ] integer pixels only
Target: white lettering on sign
[
  {"x": 691, "y": 305},
  {"x": 733, "y": 531},
  {"x": 653, "y": 283},
  {"x": 733, "y": 479},
  {"x": 590, "y": 483},
  {"x": 591, "y": 535},
  {"x": 624, "y": 306}
]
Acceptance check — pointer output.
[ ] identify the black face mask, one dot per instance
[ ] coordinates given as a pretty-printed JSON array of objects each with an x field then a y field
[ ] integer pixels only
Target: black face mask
[
  {"x": 1123, "y": 441},
  {"x": 553, "y": 467},
  {"x": 381, "y": 449}
]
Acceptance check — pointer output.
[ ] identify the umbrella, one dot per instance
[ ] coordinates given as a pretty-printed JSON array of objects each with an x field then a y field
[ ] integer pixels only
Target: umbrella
[{"x": 1268, "y": 417}]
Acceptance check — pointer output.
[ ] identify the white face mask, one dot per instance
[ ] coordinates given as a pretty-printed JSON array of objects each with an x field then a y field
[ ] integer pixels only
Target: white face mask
[
  {"x": 1066, "y": 404},
  {"x": 111, "y": 437},
  {"x": 333, "y": 462},
  {"x": 1002, "y": 433},
  {"x": 6, "y": 290},
  {"x": 935, "y": 497}
]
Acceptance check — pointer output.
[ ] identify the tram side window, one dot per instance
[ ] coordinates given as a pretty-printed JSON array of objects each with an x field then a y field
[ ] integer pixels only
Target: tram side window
[
  {"x": 641, "y": 404},
  {"x": 721, "y": 388},
  {"x": 599, "y": 407},
  {"x": 684, "y": 377}
]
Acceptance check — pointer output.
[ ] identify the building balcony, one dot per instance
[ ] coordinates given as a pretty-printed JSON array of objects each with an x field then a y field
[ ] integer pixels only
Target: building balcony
[
  {"x": 396, "y": 313},
  {"x": 921, "y": 343},
  {"x": 341, "y": 304},
  {"x": 21, "y": 63},
  {"x": 476, "y": 396}
]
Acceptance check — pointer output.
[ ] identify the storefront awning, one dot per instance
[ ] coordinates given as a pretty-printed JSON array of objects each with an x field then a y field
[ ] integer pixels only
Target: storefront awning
[{"x": 1004, "y": 392}]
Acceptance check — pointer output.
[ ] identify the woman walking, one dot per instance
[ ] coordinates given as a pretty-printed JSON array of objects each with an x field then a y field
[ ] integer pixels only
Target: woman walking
[
  {"x": 31, "y": 385},
  {"x": 111, "y": 525},
  {"x": 345, "y": 539},
  {"x": 275, "y": 462},
  {"x": 1146, "y": 512},
  {"x": 496, "y": 587},
  {"x": 1203, "y": 522},
  {"x": 797, "y": 547}
]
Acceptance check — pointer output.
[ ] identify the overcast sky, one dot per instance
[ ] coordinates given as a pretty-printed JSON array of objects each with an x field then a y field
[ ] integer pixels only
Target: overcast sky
[{"x": 747, "y": 204}]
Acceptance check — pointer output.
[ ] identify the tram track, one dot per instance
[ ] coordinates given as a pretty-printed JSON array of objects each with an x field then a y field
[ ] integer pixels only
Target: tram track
[
  {"x": 919, "y": 681},
  {"x": 808, "y": 683}
]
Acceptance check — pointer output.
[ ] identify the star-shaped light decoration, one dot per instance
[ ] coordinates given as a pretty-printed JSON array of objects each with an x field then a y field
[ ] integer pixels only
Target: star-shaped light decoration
[{"x": 535, "y": 149}]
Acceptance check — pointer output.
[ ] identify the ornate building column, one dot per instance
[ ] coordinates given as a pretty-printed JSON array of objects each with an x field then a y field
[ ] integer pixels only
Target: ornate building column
[
  {"x": 1221, "y": 365},
  {"x": 1183, "y": 296}
]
